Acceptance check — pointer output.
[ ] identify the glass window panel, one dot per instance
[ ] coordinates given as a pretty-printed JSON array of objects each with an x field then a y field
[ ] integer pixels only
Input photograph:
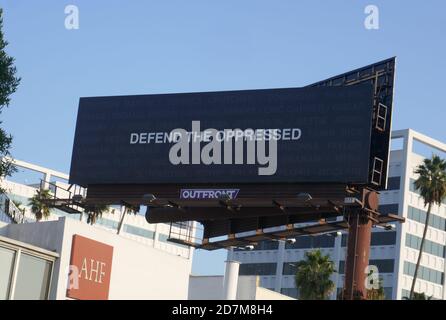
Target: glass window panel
[
  {"x": 32, "y": 278},
  {"x": 6, "y": 267}
]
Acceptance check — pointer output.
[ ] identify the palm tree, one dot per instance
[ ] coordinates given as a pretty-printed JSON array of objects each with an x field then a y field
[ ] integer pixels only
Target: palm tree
[
  {"x": 39, "y": 204},
  {"x": 418, "y": 296},
  {"x": 313, "y": 276},
  {"x": 19, "y": 206},
  {"x": 95, "y": 212},
  {"x": 127, "y": 209},
  {"x": 431, "y": 184}
]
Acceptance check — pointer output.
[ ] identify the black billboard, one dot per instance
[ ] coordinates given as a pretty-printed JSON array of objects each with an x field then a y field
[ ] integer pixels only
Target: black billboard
[
  {"x": 381, "y": 76},
  {"x": 293, "y": 135}
]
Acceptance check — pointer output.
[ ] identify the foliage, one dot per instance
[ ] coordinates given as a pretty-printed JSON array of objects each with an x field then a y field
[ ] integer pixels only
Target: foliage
[
  {"x": 431, "y": 184},
  {"x": 418, "y": 296},
  {"x": 39, "y": 204},
  {"x": 313, "y": 276},
  {"x": 8, "y": 85},
  {"x": 95, "y": 212}
]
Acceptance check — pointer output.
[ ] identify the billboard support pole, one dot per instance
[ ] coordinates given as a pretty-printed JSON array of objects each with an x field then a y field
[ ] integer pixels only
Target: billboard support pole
[{"x": 360, "y": 221}]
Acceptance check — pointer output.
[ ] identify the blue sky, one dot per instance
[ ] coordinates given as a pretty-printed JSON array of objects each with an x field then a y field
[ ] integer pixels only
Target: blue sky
[{"x": 140, "y": 47}]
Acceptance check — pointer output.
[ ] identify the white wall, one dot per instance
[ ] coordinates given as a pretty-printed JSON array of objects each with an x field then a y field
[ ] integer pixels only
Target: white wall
[
  {"x": 211, "y": 288},
  {"x": 205, "y": 287},
  {"x": 138, "y": 271}
]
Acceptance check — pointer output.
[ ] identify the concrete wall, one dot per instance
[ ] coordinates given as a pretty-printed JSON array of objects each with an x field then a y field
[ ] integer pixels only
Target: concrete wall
[
  {"x": 138, "y": 271},
  {"x": 205, "y": 287},
  {"x": 211, "y": 288}
]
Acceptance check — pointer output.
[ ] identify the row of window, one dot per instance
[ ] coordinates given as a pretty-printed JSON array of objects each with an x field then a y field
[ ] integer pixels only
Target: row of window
[
  {"x": 311, "y": 242},
  {"x": 383, "y": 265},
  {"x": 290, "y": 268},
  {"x": 406, "y": 294},
  {"x": 261, "y": 269},
  {"x": 419, "y": 215},
  {"x": 263, "y": 245},
  {"x": 414, "y": 190},
  {"x": 424, "y": 273},
  {"x": 325, "y": 241},
  {"x": 139, "y": 231},
  {"x": 393, "y": 183},
  {"x": 294, "y": 292},
  {"x": 384, "y": 238},
  {"x": 431, "y": 247},
  {"x": 387, "y": 292}
]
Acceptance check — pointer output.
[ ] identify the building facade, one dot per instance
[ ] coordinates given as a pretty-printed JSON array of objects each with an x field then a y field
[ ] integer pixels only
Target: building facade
[
  {"x": 64, "y": 257},
  {"x": 135, "y": 226},
  {"x": 394, "y": 251}
]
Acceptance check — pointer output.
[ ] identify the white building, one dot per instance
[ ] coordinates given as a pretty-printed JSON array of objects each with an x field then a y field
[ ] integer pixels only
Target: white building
[
  {"x": 36, "y": 258},
  {"x": 394, "y": 252},
  {"x": 43, "y": 260},
  {"x": 134, "y": 227}
]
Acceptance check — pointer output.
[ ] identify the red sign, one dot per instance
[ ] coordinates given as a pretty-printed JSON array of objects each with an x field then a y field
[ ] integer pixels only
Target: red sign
[{"x": 90, "y": 269}]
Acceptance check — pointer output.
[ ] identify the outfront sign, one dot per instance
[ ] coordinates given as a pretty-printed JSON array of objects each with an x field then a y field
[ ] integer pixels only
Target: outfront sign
[
  {"x": 208, "y": 193},
  {"x": 295, "y": 135},
  {"x": 90, "y": 269}
]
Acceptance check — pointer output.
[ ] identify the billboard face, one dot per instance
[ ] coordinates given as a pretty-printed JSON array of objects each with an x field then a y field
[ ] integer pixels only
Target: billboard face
[{"x": 294, "y": 135}]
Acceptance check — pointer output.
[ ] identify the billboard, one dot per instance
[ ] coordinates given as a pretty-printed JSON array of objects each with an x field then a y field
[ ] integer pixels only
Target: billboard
[
  {"x": 381, "y": 76},
  {"x": 292, "y": 135}
]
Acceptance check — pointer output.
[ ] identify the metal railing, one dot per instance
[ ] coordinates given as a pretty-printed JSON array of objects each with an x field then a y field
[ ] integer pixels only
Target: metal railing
[{"x": 10, "y": 209}]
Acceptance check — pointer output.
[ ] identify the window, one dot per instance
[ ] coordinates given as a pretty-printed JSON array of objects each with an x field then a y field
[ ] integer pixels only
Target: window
[
  {"x": 261, "y": 269},
  {"x": 291, "y": 292},
  {"x": 309, "y": 242},
  {"x": 419, "y": 215},
  {"x": 25, "y": 273},
  {"x": 414, "y": 190},
  {"x": 393, "y": 183},
  {"x": 383, "y": 265},
  {"x": 6, "y": 266},
  {"x": 388, "y": 208},
  {"x": 139, "y": 231},
  {"x": 263, "y": 245},
  {"x": 430, "y": 247},
  {"x": 383, "y": 238},
  {"x": 33, "y": 277},
  {"x": 424, "y": 273},
  {"x": 289, "y": 268}
]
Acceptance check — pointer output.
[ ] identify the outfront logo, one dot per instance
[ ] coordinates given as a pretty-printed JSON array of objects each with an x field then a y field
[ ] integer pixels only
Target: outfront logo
[
  {"x": 222, "y": 147},
  {"x": 208, "y": 193}
]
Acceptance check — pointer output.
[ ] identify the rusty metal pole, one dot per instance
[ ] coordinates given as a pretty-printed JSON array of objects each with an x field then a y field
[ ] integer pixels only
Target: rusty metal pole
[
  {"x": 358, "y": 248},
  {"x": 358, "y": 251}
]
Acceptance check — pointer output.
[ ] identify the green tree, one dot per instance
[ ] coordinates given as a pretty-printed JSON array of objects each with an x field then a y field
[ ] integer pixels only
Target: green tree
[
  {"x": 313, "y": 276},
  {"x": 39, "y": 204},
  {"x": 431, "y": 184},
  {"x": 418, "y": 296},
  {"x": 19, "y": 206},
  {"x": 8, "y": 85},
  {"x": 95, "y": 212},
  {"x": 127, "y": 209}
]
